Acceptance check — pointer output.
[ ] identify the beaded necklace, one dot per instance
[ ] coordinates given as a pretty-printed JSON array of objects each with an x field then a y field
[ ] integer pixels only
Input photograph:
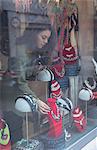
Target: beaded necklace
[
  {"x": 92, "y": 87},
  {"x": 61, "y": 73},
  {"x": 58, "y": 116}
]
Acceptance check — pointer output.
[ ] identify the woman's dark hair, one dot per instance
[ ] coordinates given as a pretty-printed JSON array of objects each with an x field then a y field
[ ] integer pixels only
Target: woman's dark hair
[
  {"x": 29, "y": 38},
  {"x": 37, "y": 24}
]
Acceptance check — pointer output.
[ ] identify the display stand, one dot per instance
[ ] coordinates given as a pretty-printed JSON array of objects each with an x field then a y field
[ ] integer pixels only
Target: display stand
[
  {"x": 45, "y": 75},
  {"x": 50, "y": 142},
  {"x": 85, "y": 95},
  {"x": 86, "y": 111},
  {"x": 27, "y": 129},
  {"x": 23, "y": 106}
]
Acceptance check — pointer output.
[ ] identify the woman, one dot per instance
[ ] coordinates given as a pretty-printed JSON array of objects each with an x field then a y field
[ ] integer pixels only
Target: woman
[{"x": 33, "y": 54}]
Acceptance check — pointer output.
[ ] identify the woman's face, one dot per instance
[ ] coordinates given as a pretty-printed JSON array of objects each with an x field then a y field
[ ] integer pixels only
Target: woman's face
[{"x": 43, "y": 37}]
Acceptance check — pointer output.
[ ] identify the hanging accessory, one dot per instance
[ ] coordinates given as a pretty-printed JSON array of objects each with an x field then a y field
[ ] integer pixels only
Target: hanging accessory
[
  {"x": 69, "y": 54},
  {"x": 95, "y": 65},
  {"x": 58, "y": 70},
  {"x": 90, "y": 83},
  {"x": 55, "y": 89}
]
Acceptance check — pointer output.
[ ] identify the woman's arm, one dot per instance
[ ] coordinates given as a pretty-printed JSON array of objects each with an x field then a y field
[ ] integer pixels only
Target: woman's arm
[{"x": 21, "y": 61}]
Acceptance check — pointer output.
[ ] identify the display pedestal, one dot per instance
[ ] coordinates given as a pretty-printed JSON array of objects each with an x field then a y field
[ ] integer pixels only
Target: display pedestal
[{"x": 33, "y": 145}]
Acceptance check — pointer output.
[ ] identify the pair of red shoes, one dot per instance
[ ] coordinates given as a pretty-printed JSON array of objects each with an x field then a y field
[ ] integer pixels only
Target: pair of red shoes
[{"x": 79, "y": 119}]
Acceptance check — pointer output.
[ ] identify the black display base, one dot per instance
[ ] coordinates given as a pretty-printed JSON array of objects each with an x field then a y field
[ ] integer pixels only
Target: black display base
[{"x": 32, "y": 144}]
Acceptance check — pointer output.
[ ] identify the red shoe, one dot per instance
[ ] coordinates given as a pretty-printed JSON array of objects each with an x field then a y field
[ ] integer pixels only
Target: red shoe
[{"x": 79, "y": 119}]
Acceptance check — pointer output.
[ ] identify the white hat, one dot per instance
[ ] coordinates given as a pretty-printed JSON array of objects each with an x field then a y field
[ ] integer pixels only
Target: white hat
[
  {"x": 25, "y": 103},
  {"x": 85, "y": 94},
  {"x": 45, "y": 75}
]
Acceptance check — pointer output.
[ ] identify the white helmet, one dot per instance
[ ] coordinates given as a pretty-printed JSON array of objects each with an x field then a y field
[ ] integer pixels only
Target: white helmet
[
  {"x": 85, "y": 94},
  {"x": 45, "y": 75},
  {"x": 25, "y": 103}
]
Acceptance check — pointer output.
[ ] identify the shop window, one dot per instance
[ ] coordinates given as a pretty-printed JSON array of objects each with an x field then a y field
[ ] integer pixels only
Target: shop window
[{"x": 44, "y": 99}]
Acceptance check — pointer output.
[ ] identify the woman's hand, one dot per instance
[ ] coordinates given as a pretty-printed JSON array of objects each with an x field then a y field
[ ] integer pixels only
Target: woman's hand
[{"x": 43, "y": 107}]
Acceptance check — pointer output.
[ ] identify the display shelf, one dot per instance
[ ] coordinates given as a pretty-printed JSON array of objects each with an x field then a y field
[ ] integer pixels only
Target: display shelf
[{"x": 79, "y": 140}]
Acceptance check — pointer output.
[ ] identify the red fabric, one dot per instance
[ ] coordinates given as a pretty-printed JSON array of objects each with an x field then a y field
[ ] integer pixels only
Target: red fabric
[
  {"x": 5, "y": 147},
  {"x": 58, "y": 70},
  {"x": 2, "y": 124},
  {"x": 55, "y": 129},
  {"x": 56, "y": 91},
  {"x": 69, "y": 56},
  {"x": 58, "y": 67},
  {"x": 95, "y": 95},
  {"x": 57, "y": 94},
  {"x": 79, "y": 121}
]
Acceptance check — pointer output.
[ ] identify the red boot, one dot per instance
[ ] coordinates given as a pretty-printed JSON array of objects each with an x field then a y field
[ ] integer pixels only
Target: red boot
[{"x": 79, "y": 119}]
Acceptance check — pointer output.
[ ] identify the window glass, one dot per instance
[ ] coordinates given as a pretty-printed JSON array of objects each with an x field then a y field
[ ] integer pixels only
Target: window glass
[{"x": 48, "y": 73}]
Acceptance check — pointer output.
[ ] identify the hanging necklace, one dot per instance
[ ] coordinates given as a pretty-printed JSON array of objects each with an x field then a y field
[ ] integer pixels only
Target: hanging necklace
[
  {"x": 92, "y": 87},
  {"x": 58, "y": 116},
  {"x": 61, "y": 73}
]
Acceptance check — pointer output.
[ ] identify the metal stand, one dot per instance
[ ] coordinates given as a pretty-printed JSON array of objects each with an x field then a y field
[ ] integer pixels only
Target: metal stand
[
  {"x": 46, "y": 91},
  {"x": 86, "y": 105},
  {"x": 74, "y": 89},
  {"x": 27, "y": 129}
]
